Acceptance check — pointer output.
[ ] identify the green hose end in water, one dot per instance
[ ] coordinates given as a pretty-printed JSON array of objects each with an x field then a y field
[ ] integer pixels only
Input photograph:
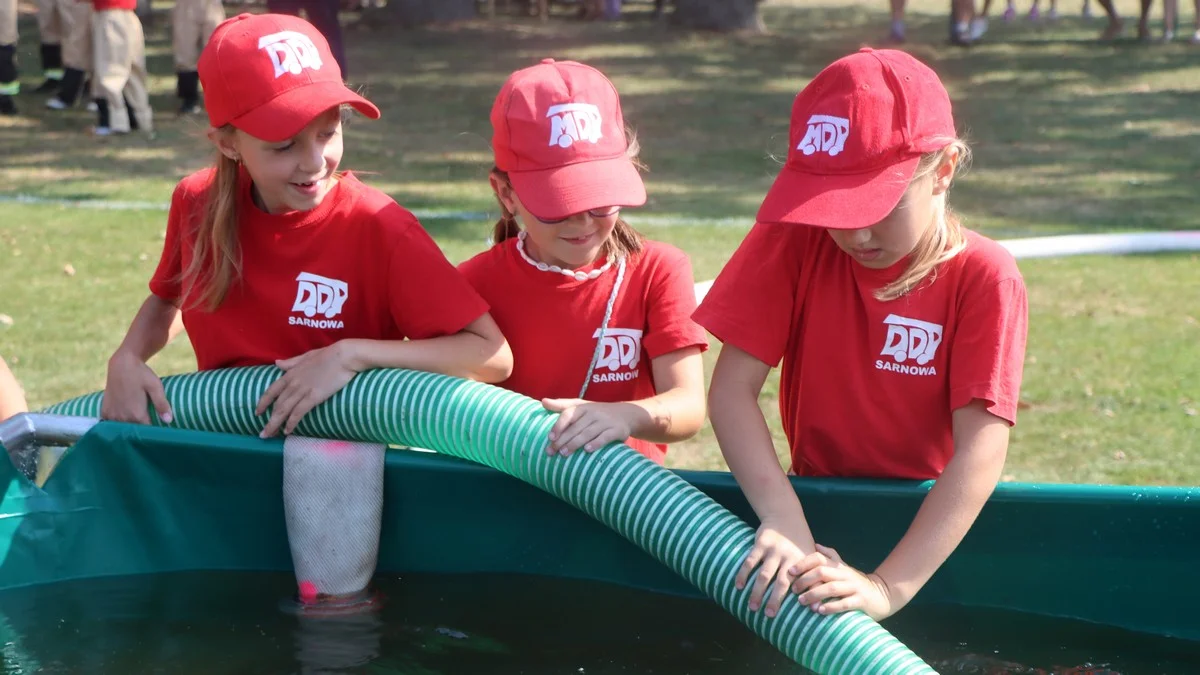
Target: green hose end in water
[{"x": 650, "y": 506}]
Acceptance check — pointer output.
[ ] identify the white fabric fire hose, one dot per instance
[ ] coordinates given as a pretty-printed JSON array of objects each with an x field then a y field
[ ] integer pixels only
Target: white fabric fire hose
[{"x": 333, "y": 505}]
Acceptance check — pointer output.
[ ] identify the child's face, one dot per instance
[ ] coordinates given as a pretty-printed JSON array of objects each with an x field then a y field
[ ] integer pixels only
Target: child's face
[
  {"x": 886, "y": 242},
  {"x": 573, "y": 243},
  {"x": 294, "y": 175}
]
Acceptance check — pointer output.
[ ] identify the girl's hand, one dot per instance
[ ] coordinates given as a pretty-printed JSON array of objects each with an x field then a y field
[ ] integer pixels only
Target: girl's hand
[
  {"x": 830, "y": 586},
  {"x": 586, "y": 424},
  {"x": 130, "y": 382},
  {"x": 308, "y": 380},
  {"x": 776, "y": 557}
]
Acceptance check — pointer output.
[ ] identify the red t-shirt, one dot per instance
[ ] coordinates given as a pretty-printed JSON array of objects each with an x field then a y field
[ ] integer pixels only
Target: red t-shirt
[
  {"x": 357, "y": 266},
  {"x": 552, "y": 323},
  {"x": 868, "y": 387}
]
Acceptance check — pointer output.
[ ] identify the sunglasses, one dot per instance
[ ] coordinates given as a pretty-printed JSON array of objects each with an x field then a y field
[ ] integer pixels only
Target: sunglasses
[{"x": 605, "y": 212}]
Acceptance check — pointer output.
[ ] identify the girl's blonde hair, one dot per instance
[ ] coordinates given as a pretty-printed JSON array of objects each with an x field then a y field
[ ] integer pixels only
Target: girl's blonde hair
[
  {"x": 624, "y": 241},
  {"x": 943, "y": 239},
  {"x": 216, "y": 261}
]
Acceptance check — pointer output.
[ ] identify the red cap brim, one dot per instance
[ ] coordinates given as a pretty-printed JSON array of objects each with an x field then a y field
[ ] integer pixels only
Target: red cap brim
[
  {"x": 286, "y": 115},
  {"x": 564, "y": 191},
  {"x": 839, "y": 202}
]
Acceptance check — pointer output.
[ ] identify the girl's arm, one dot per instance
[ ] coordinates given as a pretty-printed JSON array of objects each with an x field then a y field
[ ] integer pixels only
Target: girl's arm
[
  {"x": 948, "y": 511},
  {"x": 677, "y": 412},
  {"x": 156, "y": 323},
  {"x": 478, "y": 352},
  {"x": 674, "y": 414},
  {"x": 783, "y": 538},
  {"x": 130, "y": 381},
  {"x": 12, "y": 397},
  {"x": 952, "y": 505}
]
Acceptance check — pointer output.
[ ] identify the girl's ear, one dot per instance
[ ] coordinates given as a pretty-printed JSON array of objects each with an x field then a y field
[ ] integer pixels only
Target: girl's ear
[
  {"x": 225, "y": 142},
  {"x": 504, "y": 193},
  {"x": 944, "y": 174}
]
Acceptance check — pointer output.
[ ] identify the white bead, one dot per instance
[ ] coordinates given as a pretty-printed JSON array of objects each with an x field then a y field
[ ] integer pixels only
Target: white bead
[{"x": 578, "y": 276}]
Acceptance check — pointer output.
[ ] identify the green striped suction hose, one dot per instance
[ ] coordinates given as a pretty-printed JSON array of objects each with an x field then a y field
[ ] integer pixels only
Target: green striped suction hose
[{"x": 647, "y": 504}]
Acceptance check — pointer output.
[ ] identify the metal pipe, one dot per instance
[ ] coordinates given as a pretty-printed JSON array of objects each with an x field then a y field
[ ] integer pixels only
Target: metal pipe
[{"x": 22, "y": 435}]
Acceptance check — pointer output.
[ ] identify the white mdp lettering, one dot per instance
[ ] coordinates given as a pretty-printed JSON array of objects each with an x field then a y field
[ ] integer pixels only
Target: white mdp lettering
[
  {"x": 290, "y": 52},
  {"x": 622, "y": 347},
  {"x": 825, "y": 134},
  {"x": 574, "y": 122},
  {"x": 911, "y": 339},
  {"x": 317, "y": 294}
]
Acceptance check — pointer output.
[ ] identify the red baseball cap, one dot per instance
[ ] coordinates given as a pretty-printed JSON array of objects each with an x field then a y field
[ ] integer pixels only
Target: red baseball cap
[
  {"x": 858, "y": 131},
  {"x": 558, "y": 132},
  {"x": 270, "y": 75}
]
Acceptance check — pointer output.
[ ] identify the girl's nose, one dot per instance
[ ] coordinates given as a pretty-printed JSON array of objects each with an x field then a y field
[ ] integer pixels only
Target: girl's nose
[{"x": 859, "y": 237}]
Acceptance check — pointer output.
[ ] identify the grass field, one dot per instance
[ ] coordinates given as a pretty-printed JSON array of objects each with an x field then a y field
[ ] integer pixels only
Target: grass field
[{"x": 1069, "y": 135}]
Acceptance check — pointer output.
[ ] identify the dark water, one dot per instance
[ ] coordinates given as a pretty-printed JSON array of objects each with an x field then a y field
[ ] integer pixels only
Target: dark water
[{"x": 218, "y": 623}]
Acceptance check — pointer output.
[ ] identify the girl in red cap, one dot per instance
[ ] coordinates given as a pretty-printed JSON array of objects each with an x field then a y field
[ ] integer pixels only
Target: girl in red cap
[
  {"x": 902, "y": 335},
  {"x": 274, "y": 257},
  {"x": 599, "y": 318}
]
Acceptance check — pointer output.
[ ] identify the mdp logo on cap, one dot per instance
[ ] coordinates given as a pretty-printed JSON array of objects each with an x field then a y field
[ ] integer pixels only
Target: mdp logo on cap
[
  {"x": 827, "y": 134},
  {"x": 290, "y": 52},
  {"x": 574, "y": 122}
]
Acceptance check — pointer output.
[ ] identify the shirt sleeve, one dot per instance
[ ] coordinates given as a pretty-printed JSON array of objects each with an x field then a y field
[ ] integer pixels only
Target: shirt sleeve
[
  {"x": 428, "y": 296},
  {"x": 750, "y": 304},
  {"x": 167, "y": 282},
  {"x": 987, "y": 358},
  {"x": 474, "y": 270},
  {"x": 669, "y": 306}
]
